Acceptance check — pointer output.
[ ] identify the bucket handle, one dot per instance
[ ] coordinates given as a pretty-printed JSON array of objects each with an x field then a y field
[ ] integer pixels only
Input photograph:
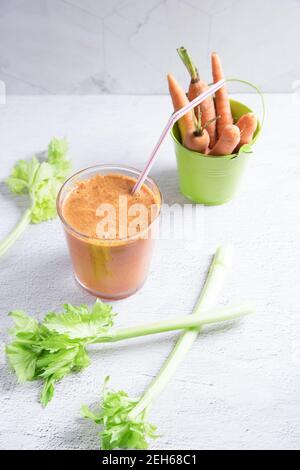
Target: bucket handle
[
  {"x": 257, "y": 89},
  {"x": 259, "y": 92}
]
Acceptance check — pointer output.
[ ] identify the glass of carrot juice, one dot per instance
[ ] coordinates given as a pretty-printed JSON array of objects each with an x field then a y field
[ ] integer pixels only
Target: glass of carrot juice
[{"x": 110, "y": 231}]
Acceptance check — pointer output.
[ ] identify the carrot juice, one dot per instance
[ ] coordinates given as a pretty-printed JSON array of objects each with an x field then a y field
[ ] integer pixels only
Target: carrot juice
[{"x": 109, "y": 230}]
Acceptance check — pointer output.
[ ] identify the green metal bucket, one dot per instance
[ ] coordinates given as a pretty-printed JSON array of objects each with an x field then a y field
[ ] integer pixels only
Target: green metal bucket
[{"x": 212, "y": 180}]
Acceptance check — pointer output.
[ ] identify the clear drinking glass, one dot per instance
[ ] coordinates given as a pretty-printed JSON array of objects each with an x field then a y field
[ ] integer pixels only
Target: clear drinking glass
[{"x": 109, "y": 269}]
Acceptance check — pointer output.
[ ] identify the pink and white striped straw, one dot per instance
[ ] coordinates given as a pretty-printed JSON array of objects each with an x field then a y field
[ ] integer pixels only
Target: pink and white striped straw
[{"x": 174, "y": 118}]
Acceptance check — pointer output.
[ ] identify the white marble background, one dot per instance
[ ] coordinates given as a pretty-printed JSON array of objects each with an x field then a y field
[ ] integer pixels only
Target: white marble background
[{"x": 128, "y": 46}]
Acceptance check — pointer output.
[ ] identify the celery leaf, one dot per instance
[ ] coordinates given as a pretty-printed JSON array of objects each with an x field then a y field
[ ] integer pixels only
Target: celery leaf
[
  {"x": 57, "y": 346},
  {"x": 79, "y": 322},
  {"x": 118, "y": 431}
]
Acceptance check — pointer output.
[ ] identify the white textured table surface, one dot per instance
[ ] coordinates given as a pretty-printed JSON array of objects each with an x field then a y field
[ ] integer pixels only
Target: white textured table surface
[{"x": 239, "y": 387}]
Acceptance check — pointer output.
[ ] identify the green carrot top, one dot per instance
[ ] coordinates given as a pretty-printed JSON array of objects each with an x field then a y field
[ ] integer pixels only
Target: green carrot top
[{"x": 187, "y": 60}]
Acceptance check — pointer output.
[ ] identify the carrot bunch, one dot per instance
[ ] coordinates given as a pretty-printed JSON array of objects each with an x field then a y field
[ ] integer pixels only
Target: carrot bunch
[{"x": 210, "y": 128}]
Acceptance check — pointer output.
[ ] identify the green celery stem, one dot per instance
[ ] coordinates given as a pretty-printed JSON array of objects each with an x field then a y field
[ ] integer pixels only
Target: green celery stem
[
  {"x": 179, "y": 323},
  {"x": 16, "y": 232},
  {"x": 217, "y": 274}
]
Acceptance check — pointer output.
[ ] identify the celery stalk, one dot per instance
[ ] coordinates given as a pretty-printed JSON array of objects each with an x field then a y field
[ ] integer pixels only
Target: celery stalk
[
  {"x": 214, "y": 315},
  {"x": 218, "y": 271},
  {"x": 16, "y": 232}
]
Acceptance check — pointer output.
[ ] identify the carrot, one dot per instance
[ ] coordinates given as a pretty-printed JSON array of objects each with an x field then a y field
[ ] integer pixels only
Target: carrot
[
  {"x": 198, "y": 143},
  {"x": 198, "y": 138},
  {"x": 179, "y": 100},
  {"x": 247, "y": 125},
  {"x": 196, "y": 87},
  {"x": 227, "y": 141},
  {"x": 221, "y": 99}
]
